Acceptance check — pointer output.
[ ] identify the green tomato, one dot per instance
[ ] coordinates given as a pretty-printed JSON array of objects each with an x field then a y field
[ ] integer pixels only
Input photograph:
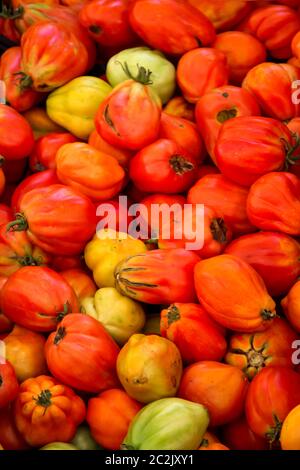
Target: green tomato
[
  {"x": 130, "y": 62},
  {"x": 59, "y": 446},
  {"x": 168, "y": 424},
  {"x": 83, "y": 439}
]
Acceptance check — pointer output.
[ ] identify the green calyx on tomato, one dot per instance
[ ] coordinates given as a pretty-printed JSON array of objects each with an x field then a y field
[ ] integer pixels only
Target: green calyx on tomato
[
  {"x": 44, "y": 398},
  {"x": 61, "y": 333},
  {"x": 219, "y": 230},
  {"x": 226, "y": 114},
  {"x": 19, "y": 224},
  {"x": 143, "y": 75},
  {"x": 173, "y": 314},
  {"x": 180, "y": 165},
  {"x": 290, "y": 149}
]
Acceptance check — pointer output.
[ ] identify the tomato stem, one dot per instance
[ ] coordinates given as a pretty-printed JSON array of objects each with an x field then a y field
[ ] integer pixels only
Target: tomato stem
[
  {"x": 44, "y": 398},
  {"x": 143, "y": 75},
  {"x": 218, "y": 230},
  {"x": 18, "y": 225},
  {"x": 10, "y": 13},
  {"x": 226, "y": 114},
  {"x": 173, "y": 314},
  {"x": 60, "y": 334},
  {"x": 66, "y": 309},
  {"x": 267, "y": 314},
  {"x": 180, "y": 165}
]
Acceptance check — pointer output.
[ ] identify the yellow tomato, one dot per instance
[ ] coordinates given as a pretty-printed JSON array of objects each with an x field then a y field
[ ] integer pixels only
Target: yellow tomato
[
  {"x": 75, "y": 104},
  {"x": 120, "y": 315}
]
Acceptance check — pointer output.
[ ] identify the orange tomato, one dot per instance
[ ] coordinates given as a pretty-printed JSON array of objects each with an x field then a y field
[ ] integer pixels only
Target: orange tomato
[
  {"x": 291, "y": 306},
  {"x": 82, "y": 284},
  {"x": 181, "y": 108},
  {"x": 290, "y": 432},
  {"x": 122, "y": 155}
]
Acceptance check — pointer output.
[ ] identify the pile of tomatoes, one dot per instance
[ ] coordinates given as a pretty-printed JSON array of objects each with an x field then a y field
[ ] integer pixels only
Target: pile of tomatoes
[{"x": 115, "y": 341}]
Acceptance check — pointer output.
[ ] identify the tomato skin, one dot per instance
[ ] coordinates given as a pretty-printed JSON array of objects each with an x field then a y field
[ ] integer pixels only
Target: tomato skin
[
  {"x": 62, "y": 263},
  {"x": 119, "y": 120},
  {"x": 242, "y": 303},
  {"x": 44, "y": 208},
  {"x": 272, "y": 394},
  {"x": 123, "y": 156},
  {"x": 10, "y": 437},
  {"x": 20, "y": 100},
  {"x": 9, "y": 386},
  {"x": 181, "y": 108},
  {"x": 208, "y": 439},
  {"x": 97, "y": 366},
  {"x": 184, "y": 133},
  {"x": 109, "y": 416},
  {"x": 6, "y": 214},
  {"x": 107, "y": 23},
  {"x": 219, "y": 105},
  {"x": 223, "y": 15},
  {"x": 67, "y": 57},
  {"x": 39, "y": 180},
  {"x": 275, "y": 26},
  {"x": 93, "y": 173},
  {"x": 208, "y": 69},
  {"x": 242, "y": 51},
  {"x": 296, "y": 46},
  {"x": 196, "y": 335},
  {"x": 155, "y": 285},
  {"x": 58, "y": 401},
  {"x": 212, "y": 190},
  {"x": 203, "y": 382},
  {"x": 81, "y": 282},
  {"x": 263, "y": 144},
  {"x": 290, "y": 305},
  {"x": 43, "y": 154},
  {"x": 215, "y": 446},
  {"x": 274, "y": 203},
  {"x": 20, "y": 144},
  {"x": 289, "y": 436},
  {"x": 275, "y": 256},
  {"x": 8, "y": 30},
  {"x": 276, "y": 100},
  {"x": 163, "y": 167},
  {"x": 173, "y": 27},
  {"x": 42, "y": 295},
  {"x": 238, "y": 436},
  {"x": 251, "y": 352}
]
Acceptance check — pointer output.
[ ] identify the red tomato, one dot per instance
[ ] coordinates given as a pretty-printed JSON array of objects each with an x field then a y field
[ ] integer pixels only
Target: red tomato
[
  {"x": 274, "y": 203},
  {"x": 8, "y": 30},
  {"x": 10, "y": 437},
  {"x": 20, "y": 143},
  {"x": 290, "y": 305},
  {"x": 45, "y": 149},
  {"x": 10, "y": 65},
  {"x": 39, "y": 180},
  {"x": 219, "y": 105},
  {"x": 6, "y": 214},
  {"x": 82, "y": 284},
  {"x": 14, "y": 170},
  {"x": 223, "y": 14},
  {"x": 219, "y": 387},
  {"x": 272, "y": 394},
  {"x": 95, "y": 369},
  {"x": 201, "y": 70},
  {"x": 119, "y": 119},
  {"x": 163, "y": 167},
  {"x": 249, "y": 147},
  {"x": 275, "y": 256},
  {"x": 194, "y": 332},
  {"x": 238, "y": 436},
  {"x": 61, "y": 263},
  {"x": 37, "y": 297},
  {"x": 171, "y": 26},
  {"x": 225, "y": 197},
  {"x": 9, "y": 386}
]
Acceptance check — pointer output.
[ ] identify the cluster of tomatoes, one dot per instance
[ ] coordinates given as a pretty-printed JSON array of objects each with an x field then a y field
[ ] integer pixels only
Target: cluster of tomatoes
[{"x": 110, "y": 340}]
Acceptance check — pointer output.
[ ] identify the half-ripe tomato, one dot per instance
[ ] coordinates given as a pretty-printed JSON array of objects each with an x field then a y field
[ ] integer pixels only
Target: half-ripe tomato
[
  {"x": 9, "y": 386},
  {"x": 234, "y": 294},
  {"x": 14, "y": 145},
  {"x": 242, "y": 51},
  {"x": 223, "y": 14},
  {"x": 203, "y": 231},
  {"x": 275, "y": 26},
  {"x": 93, "y": 173},
  {"x": 19, "y": 99},
  {"x": 291, "y": 306},
  {"x": 272, "y": 394},
  {"x": 250, "y": 352},
  {"x": 208, "y": 439},
  {"x": 219, "y": 105},
  {"x": 249, "y": 147},
  {"x": 195, "y": 334},
  {"x": 275, "y": 256},
  {"x": 171, "y": 26},
  {"x": 66, "y": 58},
  {"x": 184, "y": 133},
  {"x": 108, "y": 23},
  {"x": 276, "y": 100},
  {"x": 44, "y": 151},
  {"x": 82, "y": 340},
  {"x": 225, "y": 197},
  {"x": 40, "y": 180},
  {"x": 122, "y": 155},
  {"x": 37, "y": 297},
  {"x": 163, "y": 167},
  {"x": 274, "y": 203},
  {"x": 201, "y": 70},
  {"x": 10, "y": 437},
  {"x": 50, "y": 226},
  {"x": 219, "y": 387},
  {"x": 109, "y": 416},
  {"x": 130, "y": 116},
  {"x": 179, "y": 107},
  {"x": 238, "y": 436},
  {"x": 47, "y": 411},
  {"x": 82, "y": 284}
]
